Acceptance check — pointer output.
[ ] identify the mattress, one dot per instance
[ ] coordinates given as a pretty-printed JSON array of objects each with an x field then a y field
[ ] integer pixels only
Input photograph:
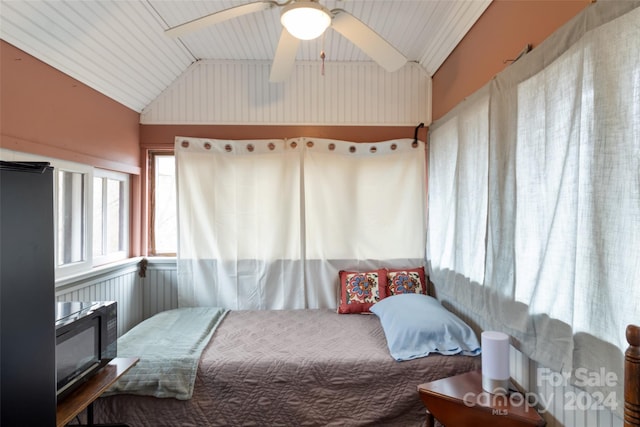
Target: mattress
[{"x": 294, "y": 368}]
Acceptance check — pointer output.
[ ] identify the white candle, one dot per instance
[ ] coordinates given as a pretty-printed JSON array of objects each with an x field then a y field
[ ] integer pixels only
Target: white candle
[{"x": 495, "y": 362}]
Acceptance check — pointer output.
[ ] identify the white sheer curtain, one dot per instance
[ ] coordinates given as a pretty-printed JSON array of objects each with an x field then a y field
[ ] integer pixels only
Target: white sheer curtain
[
  {"x": 578, "y": 186},
  {"x": 458, "y": 153},
  {"x": 563, "y": 220},
  {"x": 268, "y": 224}
]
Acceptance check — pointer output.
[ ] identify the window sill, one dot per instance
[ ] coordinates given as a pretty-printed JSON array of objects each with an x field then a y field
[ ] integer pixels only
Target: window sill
[
  {"x": 97, "y": 272},
  {"x": 161, "y": 262}
]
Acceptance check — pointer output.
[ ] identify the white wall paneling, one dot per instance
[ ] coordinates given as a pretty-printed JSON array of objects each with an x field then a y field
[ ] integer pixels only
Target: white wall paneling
[
  {"x": 568, "y": 406},
  {"x": 138, "y": 297},
  {"x": 118, "y": 283},
  {"x": 159, "y": 287},
  {"x": 349, "y": 93}
]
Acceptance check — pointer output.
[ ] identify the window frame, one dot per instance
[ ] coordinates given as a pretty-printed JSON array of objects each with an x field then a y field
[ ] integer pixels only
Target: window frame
[
  {"x": 151, "y": 217},
  {"x": 68, "y": 269},
  {"x": 125, "y": 226}
]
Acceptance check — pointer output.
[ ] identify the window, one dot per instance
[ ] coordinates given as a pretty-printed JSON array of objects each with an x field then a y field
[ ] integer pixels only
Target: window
[
  {"x": 110, "y": 216},
  {"x": 72, "y": 237},
  {"x": 71, "y": 212},
  {"x": 163, "y": 234},
  {"x": 89, "y": 233},
  {"x": 91, "y": 209}
]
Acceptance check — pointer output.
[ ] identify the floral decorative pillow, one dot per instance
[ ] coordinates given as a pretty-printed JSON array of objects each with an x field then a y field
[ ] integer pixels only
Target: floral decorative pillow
[
  {"x": 360, "y": 290},
  {"x": 410, "y": 281}
]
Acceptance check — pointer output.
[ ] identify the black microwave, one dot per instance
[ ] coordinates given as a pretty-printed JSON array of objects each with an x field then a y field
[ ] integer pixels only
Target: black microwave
[{"x": 86, "y": 340}]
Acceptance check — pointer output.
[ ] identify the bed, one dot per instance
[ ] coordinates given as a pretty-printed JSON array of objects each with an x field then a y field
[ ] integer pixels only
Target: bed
[
  {"x": 274, "y": 368},
  {"x": 311, "y": 367}
]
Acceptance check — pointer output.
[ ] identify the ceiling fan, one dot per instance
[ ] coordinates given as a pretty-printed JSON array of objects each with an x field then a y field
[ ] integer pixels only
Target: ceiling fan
[{"x": 304, "y": 20}]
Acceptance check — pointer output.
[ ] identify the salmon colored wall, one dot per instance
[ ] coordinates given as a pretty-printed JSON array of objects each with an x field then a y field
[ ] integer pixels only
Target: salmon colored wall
[
  {"x": 46, "y": 112},
  {"x": 500, "y": 34}
]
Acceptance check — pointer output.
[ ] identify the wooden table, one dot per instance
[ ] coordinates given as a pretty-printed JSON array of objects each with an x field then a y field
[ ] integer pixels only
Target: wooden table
[
  {"x": 460, "y": 401},
  {"x": 84, "y": 396}
]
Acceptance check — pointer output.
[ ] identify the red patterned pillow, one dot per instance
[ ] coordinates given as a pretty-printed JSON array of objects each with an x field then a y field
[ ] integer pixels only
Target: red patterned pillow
[
  {"x": 360, "y": 290},
  {"x": 410, "y": 281}
]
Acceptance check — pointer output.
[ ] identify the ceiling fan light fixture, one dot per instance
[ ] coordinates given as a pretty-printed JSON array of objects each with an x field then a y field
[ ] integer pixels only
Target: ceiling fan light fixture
[{"x": 305, "y": 20}]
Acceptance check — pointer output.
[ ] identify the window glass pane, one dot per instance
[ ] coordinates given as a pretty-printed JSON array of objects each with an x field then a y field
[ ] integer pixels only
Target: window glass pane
[
  {"x": 97, "y": 217},
  {"x": 165, "y": 222},
  {"x": 71, "y": 220},
  {"x": 114, "y": 214}
]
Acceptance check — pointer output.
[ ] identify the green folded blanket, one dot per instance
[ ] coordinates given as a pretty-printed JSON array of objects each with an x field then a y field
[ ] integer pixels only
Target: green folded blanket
[{"x": 169, "y": 346}]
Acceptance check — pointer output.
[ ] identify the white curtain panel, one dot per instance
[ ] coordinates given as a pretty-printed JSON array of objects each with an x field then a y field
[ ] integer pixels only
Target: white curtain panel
[
  {"x": 365, "y": 208},
  {"x": 458, "y": 155},
  {"x": 563, "y": 221},
  {"x": 268, "y": 224},
  {"x": 574, "y": 197},
  {"x": 238, "y": 224}
]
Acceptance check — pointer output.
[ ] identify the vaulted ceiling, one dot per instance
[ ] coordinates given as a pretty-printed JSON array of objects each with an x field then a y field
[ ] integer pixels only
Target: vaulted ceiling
[{"x": 119, "y": 47}]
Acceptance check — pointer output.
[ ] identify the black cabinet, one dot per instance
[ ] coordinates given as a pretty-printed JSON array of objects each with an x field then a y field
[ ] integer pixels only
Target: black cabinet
[{"x": 27, "y": 309}]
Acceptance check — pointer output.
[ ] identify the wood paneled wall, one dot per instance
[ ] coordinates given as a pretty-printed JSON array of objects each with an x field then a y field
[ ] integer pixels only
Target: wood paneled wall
[{"x": 349, "y": 93}]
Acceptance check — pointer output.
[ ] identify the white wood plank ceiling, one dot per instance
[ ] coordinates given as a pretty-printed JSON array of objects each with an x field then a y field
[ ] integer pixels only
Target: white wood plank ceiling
[{"x": 119, "y": 48}]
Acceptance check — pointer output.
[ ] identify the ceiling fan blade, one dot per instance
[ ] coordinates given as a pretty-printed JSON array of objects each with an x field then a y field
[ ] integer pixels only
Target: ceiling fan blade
[
  {"x": 217, "y": 17},
  {"x": 370, "y": 42},
  {"x": 284, "y": 58}
]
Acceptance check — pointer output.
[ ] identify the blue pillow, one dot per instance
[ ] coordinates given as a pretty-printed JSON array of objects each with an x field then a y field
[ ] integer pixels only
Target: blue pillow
[{"x": 416, "y": 325}]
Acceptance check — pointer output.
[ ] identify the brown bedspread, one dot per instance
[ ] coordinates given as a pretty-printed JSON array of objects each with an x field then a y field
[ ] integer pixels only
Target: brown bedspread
[{"x": 294, "y": 368}]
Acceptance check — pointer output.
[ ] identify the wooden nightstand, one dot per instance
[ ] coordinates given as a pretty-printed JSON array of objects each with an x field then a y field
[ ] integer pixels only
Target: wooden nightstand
[{"x": 460, "y": 401}]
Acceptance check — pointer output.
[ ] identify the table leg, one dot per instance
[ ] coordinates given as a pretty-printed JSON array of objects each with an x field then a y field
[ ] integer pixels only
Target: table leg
[
  {"x": 90, "y": 414},
  {"x": 90, "y": 420},
  {"x": 430, "y": 420}
]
